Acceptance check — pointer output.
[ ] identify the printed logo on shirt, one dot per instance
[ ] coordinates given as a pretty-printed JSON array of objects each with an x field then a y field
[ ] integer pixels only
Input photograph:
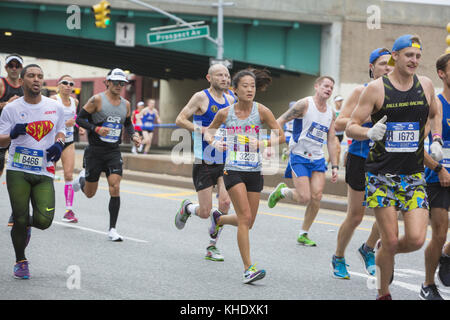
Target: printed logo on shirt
[
  {"x": 22, "y": 116},
  {"x": 50, "y": 112},
  {"x": 214, "y": 108},
  {"x": 448, "y": 122},
  {"x": 39, "y": 129}
]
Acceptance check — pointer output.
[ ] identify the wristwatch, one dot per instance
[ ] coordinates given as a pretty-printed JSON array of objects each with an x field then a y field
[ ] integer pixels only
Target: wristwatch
[{"x": 438, "y": 168}]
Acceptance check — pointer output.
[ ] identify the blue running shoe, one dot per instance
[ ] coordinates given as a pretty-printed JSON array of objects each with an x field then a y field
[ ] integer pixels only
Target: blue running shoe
[
  {"x": 339, "y": 268},
  {"x": 21, "y": 270},
  {"x": 368, "y": 259}
]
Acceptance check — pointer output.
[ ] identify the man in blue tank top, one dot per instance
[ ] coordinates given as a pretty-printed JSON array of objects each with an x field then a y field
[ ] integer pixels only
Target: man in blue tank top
[
  {"x": 105, "y": 116},
  {"x": 356, "y": 179},
  {"x": 208, "y": 166},
  {"x": 438, "y": 190}
]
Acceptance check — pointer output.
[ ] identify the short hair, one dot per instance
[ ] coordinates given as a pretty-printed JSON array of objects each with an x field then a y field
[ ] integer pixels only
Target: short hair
[
  {"x": 24, "y": 70},
  {"x": 442, "y": 61},
  {"x": 319, "y": 80}
]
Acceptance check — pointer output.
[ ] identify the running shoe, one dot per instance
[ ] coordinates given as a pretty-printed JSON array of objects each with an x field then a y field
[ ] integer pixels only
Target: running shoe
[
  {"x": 213, "y": 254},
  {"x": 384, "y": 297},
  {"x": 444, "y": 270},
  {"x": 114, "y": 236},
  {"x": 76, "y": 186},
  {"x": 339, "y": 268},
  {"x": 368, "y": 259},
  {"x": 11, "y": 221},
  {"x": 182, "y": 214},
  {"x": 21, "y": 270},
  {"x": 305, "y": 241},
  {"x": 430, "y": 292},
  {"x": 253, "y": 274},
  {"x": 276, "y": 195},
  {"x": 215, "y": 229},
  {"x": 69, "y": 216}
]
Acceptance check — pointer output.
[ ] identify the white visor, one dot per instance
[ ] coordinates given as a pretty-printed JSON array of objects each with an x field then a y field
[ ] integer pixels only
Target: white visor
[
  {"x": 117, "y": 75},
  {"x": 18, "y": 59}
]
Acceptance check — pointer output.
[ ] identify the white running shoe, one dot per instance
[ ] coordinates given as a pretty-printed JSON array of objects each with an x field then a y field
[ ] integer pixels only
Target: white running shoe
[
  {"x": 114, "y": 236},
  {"x": 76, "y": 186}
]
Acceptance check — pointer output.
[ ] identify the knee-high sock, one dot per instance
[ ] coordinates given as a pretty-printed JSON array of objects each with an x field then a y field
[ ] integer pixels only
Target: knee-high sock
[
  {"x": 114, "y": 206},
  {"x": 68, "y": 193}
]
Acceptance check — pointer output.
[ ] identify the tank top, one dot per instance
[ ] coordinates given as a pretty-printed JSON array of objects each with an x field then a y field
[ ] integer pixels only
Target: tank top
[
  {"x": 361, "y": 148},
  {"x": 112, "y": 117},
  {"x": 310, "y": 132},
  {"x": 202, "y": 150},
  {"x": 148, "y": 120},
  {"x": 10, "y": 91},
  {"x": 401, "y": 150},
  {"x": 240, "y": 155},
  {"x": 69, "y": 113},
  {"x": 431, "y": 176}
]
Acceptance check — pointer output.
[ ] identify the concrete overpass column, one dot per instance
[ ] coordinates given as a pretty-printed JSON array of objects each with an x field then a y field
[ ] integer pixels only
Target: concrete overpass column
[{"x": 330, "y": 53}]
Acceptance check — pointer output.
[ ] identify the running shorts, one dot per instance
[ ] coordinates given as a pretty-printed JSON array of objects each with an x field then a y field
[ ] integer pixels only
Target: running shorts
[
  {"x": 406, "y": 192},
  {"x": 439, "y": 197},
  {"x": 254, "y": 181},
  {"x": 206, "y": 175},
  {"x": 355, "y": 175},
  {"x": 302, "y": 167},
  {"x": 100, "y": 159}
]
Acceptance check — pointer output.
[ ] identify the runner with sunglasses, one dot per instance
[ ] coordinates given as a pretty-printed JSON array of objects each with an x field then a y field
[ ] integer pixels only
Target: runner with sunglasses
[
  {"x": 70, "y": 104},
  {"x": 10, "y": 90},
  {"x": 105, "y": 115}
]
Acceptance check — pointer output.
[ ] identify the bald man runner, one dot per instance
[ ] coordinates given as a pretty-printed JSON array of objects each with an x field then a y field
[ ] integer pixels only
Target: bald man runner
[{"x": 208, "y": 166}]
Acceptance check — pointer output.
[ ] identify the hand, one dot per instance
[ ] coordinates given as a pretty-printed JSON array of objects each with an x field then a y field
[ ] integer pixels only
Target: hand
[
  {"x": 219, "y": 145},
  {"x": 436, "y": 151},
  {"x": 102, "y": 131},
  {"x": 334, "y": 175},
  {"x": 70, "y": 122},
  {"x": 19, "y": 129},
  {"x": 55, "y": 150},
  {"x": 81, "y": 131},
  {"x": 444, "y": 177},
  {"x": 137, "y": 140},
  {"x": 376, "y": 133}
]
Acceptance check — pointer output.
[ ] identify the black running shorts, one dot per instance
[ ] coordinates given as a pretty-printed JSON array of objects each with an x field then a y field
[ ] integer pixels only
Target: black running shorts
[
  {"x": 438, "y": 196},
  {"x": 355, "y": 175},
  {"x": 254, "y": 181},
  {"x": 100, "y": 159},
  {"x": 206, "y": 175}
]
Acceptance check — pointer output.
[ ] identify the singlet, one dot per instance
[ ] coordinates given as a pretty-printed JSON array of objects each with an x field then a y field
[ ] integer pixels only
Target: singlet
[
  {"x": 431, "y": 176},
  {"x": 69, "y": 113},
  {"x": 27, "y": 153},
  {"x": 401, "y": 150},
  {"x": 361, "y": 148},
  {"x": 10, "y": 91},
  {"x": 310, "y": 132},
  {"x": 288, "y": 129},
  {"x": 202, "y": 150},
  {"x": 240, "y": 156},
  {"x": 148, "y": 121},
  {"x": 137, "y": 127},
  {"x": 112, "y": 117},
  {"x": 231, "y": 93}
]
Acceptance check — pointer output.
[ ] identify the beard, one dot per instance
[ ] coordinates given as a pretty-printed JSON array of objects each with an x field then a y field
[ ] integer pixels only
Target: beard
[{"x": 30, "y": 92}]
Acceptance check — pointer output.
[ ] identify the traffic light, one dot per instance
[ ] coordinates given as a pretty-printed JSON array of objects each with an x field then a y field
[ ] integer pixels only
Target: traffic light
[{"x": 102, "y": 13}]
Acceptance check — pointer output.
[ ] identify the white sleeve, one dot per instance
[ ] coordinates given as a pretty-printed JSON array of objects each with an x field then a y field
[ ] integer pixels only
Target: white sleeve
[
  {"x": 61, "y": 124},
  {"x": 5, "y": 121}
]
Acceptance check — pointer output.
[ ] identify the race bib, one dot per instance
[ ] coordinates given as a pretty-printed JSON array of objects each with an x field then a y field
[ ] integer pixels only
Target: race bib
[
  {"x": 28, "y": 159},
  {"x": 239, "y": 154},
  {"x": 446, "y": 150},
  {"x": 317, "y": 133},
  {"x": 115, "y": 131},
  {"x": 69, "y": 134},
  {"x": 148, "y": 125},
  {"x": 402, "y": 136}
]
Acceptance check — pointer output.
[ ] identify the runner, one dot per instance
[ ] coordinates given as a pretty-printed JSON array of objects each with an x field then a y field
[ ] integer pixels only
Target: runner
[
  {"x": 395, "y": 164},
  {"x": 105, "y": 115},
  {"x": 438, "y": 190},
  {"x": 34, "y": 125},
  {"x": 207, "y": 169},
  {"x": 242, "y": 172},
  {"x": 313, "y": 126},
  {"x": 149, "y": 115},
  {"x": 65, "y": 87},
  {"x": 355, "y": 178},
  {"x": 137, "y": 123},
  {"x": 10, "y": 90}
]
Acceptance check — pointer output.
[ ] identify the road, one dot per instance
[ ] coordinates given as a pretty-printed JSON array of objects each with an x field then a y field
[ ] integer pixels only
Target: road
[{"x": 157, "y": 261}]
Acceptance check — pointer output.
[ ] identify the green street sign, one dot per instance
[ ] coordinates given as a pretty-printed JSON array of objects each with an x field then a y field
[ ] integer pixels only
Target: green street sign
[{"x": 177, "y": 35}]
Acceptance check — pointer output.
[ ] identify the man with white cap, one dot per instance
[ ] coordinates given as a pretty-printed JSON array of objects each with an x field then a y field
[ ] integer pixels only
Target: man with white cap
[
  {"x": 105, "y": 115},
  {"x": 10, "y": 90}
]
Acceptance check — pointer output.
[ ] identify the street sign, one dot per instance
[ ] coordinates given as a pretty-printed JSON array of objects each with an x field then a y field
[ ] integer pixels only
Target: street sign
[
  {"x": 226, "y": 62},
  {"x": 125, "y": 34},
  {"x": 177, "y": 35}
]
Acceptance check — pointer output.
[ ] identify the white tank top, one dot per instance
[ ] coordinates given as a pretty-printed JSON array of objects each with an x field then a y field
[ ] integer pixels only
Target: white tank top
[
  {"x": 69, "y": 113},
  {"x": 310, "y": 132}
]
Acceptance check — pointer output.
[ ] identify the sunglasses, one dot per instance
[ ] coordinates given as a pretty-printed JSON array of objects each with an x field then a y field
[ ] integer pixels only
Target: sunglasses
[
  {"x": 67, "y": 83},
  {"x": 118, "y": 83},
  {"x": 14, "y": 65}
]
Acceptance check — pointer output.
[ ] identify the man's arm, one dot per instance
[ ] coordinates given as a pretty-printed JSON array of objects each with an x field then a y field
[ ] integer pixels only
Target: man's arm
[
  {"x": 93, "y": 105},
  {"x": 193, "y": 106},
  {"x": 298, "y": 110},
  {"x": 349, "y": 105}
]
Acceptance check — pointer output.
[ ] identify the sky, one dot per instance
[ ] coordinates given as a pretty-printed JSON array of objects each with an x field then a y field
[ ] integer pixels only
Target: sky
[{"x": 441, "y": 2}]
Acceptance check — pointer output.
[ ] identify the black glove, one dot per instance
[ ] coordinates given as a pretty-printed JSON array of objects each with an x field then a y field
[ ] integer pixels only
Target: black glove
[
  {"x": 19, "y": 129},
  {"x": 55, "y": 150}
]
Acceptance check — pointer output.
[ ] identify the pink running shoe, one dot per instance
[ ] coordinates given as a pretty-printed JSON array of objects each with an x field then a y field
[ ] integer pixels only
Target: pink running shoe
[{"x": 69, "y": 216}]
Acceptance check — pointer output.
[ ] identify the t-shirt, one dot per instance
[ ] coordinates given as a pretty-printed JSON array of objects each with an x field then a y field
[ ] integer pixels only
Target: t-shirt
[{"x": 27, "y": 152}]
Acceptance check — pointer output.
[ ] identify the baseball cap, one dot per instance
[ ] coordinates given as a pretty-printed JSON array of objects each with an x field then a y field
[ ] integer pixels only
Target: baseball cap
[
  {"x": 141, "y": 103},
  {"x": 117, "y": 75},
  {"x": 402, "y": 43},
  {"x": 338, "y": 98},
  {"x": 14, "y": 57},
  {"x": 375, "y": 54}
]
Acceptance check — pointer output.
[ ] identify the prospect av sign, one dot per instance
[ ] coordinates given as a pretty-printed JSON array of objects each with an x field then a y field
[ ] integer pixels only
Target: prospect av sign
[{"x": 177, "y": 35}]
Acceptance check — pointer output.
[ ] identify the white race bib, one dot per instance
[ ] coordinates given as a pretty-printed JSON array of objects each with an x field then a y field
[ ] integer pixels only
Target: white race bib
[
  {"x": 115, "y": 131},
  {"x": 28, "y": 159},
  {"x": 402, "y": 136}
]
